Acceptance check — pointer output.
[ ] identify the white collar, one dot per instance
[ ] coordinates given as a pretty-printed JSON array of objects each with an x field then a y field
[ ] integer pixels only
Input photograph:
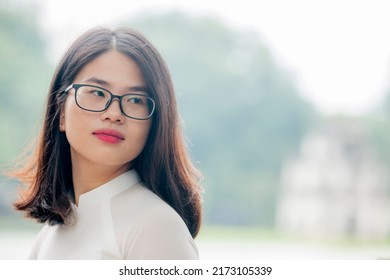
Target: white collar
[{"x": 109, "y": 189}]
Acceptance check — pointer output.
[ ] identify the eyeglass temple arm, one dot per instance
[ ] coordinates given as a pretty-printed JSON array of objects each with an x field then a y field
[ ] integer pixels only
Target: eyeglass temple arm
[{"x": 68, "y": 88}]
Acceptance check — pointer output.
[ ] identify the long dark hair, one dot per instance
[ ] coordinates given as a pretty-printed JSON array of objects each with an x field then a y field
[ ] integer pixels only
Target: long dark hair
[{"x": 164, "y": 165}]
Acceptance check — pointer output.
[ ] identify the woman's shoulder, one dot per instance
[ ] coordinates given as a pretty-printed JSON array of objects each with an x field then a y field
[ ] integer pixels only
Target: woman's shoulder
[
  {"x": 139, "y": 203},
  {"x": 147, "y": 227}
]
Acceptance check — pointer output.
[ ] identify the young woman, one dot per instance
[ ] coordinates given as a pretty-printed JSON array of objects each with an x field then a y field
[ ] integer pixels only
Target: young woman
[{"x": 111, "y": 178}]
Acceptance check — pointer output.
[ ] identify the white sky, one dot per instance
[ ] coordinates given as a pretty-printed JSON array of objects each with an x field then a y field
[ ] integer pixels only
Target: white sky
[{"x": 338, "y": 51}]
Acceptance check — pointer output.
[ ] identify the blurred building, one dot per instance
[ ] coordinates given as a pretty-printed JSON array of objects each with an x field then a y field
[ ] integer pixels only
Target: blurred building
[{"x": 336, "y": 187}]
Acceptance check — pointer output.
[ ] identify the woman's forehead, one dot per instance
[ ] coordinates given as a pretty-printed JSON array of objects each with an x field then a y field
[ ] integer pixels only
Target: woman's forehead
[{"x": 113, "y": 70}]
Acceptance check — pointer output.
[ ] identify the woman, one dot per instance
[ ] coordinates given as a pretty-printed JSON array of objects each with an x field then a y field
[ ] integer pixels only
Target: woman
[{"x": 111, "y": 177}]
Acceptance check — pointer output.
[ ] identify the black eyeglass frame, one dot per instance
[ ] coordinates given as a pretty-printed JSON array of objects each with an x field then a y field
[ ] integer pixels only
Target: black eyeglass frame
[{"x": 112, "y": 97}]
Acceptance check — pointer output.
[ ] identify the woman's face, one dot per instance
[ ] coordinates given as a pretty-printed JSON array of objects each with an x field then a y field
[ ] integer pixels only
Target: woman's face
[{"x": 106, "y": 138}]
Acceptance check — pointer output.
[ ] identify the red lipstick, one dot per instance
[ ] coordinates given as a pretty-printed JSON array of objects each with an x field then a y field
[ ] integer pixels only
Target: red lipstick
[{"x": 109, "y": 135}]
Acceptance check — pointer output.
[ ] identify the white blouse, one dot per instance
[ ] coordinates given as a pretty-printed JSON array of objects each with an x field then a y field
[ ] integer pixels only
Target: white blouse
[{"x": 121, "y": 219}]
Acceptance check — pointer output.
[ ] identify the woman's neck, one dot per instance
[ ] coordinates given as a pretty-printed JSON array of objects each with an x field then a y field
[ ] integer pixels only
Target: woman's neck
[{"x": 88, "y": 176}]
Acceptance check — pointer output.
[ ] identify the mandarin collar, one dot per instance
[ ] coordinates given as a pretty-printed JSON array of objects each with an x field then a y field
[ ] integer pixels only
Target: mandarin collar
[{"x": 109, "y": 189}]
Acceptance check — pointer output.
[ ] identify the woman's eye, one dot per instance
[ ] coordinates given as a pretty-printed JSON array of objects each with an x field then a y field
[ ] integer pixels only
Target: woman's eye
[
  {"x": 98, "y": 93},
  {"x": 136, "y": 100}
]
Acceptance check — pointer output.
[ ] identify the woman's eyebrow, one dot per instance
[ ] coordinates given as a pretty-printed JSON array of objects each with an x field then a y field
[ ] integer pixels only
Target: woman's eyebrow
[
  {"x": 138, "y": 89},
  {"x": 97, "y": 81},
  {"x": 104, "y": 83}
]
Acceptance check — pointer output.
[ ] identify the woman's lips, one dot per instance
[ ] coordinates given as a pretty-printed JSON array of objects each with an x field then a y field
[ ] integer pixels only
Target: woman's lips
[{"x": 109, "y": 135}]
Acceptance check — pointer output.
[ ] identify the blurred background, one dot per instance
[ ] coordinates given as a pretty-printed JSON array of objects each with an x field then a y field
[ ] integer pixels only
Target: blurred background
[{"x": 285, "y": 105}]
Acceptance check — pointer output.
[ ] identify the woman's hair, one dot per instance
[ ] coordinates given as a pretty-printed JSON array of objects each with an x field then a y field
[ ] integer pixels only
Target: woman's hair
[{"x": 163, "y": 165}]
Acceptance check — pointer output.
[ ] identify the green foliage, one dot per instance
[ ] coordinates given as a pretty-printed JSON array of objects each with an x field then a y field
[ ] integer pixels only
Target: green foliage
[
  {"x": 23, "y": 81},
  {"x": 378, "y": 123},
  {"x": 378, "y": 126},
  {"x": 241, "y": 112},
  {"x": 239, "y": 234}
]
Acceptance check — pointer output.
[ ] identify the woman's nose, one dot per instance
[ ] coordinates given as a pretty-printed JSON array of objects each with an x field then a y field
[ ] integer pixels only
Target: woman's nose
[{"x": 113, "y": 112}]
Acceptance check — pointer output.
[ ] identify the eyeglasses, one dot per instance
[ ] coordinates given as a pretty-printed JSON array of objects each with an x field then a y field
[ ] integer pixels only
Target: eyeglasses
[{"x": 97, "y": 99}]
